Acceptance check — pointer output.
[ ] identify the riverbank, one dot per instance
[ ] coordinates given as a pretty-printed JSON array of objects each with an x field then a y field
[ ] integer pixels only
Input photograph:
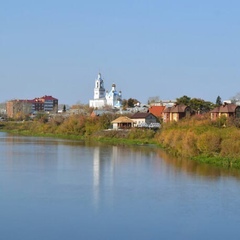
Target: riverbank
[
  {"x": 203, "y": 140},
  {"x": 200, "y": 140},
  {"x": 116, "y": 137}
]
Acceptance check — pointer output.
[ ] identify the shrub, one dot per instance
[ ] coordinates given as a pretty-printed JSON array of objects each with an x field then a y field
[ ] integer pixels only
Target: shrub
[
  {"x": 136, "y": 133},
  {"x": 230, "y": 148},
  {"x": 189, "y": 144},
  {"x": 209, "y": 143},
  {"x": 167, "y": 138}
]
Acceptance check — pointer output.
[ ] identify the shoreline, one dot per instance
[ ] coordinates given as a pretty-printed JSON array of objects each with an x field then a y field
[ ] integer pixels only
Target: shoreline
[{"x": 214, "y": 161}]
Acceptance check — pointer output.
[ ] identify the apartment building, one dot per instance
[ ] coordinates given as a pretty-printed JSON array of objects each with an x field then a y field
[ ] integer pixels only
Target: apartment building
[
  {"x": 45, "y": 103},
  {"x": 16, "y": 108}
]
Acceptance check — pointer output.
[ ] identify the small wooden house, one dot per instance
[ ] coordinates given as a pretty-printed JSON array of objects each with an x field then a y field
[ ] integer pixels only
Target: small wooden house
[{"x": 122, "y": 123}]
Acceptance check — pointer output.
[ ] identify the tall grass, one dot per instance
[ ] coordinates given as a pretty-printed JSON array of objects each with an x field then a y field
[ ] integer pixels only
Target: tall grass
[{"x": 201, "y": 137}]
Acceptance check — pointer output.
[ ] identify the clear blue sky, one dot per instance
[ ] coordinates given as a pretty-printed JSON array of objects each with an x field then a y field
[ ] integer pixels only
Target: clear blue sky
[{"x": 147, "y": 48}]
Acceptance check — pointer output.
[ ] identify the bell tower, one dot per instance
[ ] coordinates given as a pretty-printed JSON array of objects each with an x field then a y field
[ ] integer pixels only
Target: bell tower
[{"x": 99, "y": 90}]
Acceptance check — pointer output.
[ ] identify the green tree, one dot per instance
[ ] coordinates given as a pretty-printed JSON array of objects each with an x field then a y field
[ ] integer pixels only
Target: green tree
[
  {"x": 200, "y": 106},
  {"x": 184, "y": 100},
  {"x": 64, "y": 108},
  {"x": 196, "y": 104},
  {"x": 105, "y": 120},
  {"x": 124, "y": 103},
  {"x": 218, "y": 101},
  {"x": 131, "y": 102}
]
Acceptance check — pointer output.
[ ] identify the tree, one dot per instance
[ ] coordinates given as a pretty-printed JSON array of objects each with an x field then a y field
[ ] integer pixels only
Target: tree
[
  {"x": 196, "y": 104},
  {"x": 218, "y": 101},
  {"x": 200, "y": 106},
  {"x": 124, "y": 103},
  {"x": 129, "y": 103},
  {"x": 64, "y": 108},
  {"x": 41, "y": 117},
  {"x": 184, "y": 100},
  {"x": 83, "y": 109}
]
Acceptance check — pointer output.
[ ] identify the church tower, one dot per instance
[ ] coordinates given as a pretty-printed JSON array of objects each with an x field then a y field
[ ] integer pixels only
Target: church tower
[
  {"x": 104, "y": 98},
  {"x": 99, "y": 90}
]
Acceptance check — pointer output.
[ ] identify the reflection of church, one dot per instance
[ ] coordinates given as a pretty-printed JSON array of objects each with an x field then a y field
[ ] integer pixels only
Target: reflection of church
[
  {"x": 103, "y": 171},
  {"x": 104, "y": 98}
]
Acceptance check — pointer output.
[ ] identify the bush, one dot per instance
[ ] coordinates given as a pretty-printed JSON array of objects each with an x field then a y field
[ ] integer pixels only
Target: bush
[
  {"x": 189, "y": 144},
  {"x": 209, "y": 143},
  {"x": 136, "y": 133}
]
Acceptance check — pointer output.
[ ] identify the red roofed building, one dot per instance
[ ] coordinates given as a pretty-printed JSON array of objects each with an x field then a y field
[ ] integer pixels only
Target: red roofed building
[
  {"x": 45, "y": 103},
  {"x": 157, "y": 111}
]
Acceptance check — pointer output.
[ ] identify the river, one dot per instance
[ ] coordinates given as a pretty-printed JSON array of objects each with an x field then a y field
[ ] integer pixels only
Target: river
[{"x": 61, "y": 189}]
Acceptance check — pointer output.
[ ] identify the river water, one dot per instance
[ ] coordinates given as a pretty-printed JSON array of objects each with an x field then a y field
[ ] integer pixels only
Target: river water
[{"x": 60, "y": 189}]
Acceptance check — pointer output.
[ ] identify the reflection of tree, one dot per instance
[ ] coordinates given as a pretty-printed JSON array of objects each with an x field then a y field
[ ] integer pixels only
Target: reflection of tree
[
  {"x": 134, "y": 153},
  {"x": 193, "y": 167}
]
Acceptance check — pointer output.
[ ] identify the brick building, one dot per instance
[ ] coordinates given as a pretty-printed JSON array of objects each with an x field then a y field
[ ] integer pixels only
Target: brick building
[
  {"x": 45, "y": 103},
  {"x": 16, "y": 108}
]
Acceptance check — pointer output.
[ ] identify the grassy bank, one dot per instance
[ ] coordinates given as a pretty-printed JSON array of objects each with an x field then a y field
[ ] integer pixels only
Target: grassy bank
[
  {"x": 203, "y": 140},
  {"x": 47, "y": 129}
]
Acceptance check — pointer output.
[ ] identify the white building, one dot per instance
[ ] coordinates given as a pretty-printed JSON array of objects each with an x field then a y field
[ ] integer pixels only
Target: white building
[{"x": 104, "y": 98}]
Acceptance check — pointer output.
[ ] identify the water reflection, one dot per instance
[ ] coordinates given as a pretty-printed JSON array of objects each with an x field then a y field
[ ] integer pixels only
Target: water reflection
[
  {"x": 58, "y": 189},
  {"x": 26, "y": 151},
  {"x": 192, "y": 167},
  {"x": 104, "y": 157},
  {"x": 96, "y": 175}
]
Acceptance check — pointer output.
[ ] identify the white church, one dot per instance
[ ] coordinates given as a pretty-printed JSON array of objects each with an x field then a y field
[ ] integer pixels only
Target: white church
[{"x": 104, "y": 98}]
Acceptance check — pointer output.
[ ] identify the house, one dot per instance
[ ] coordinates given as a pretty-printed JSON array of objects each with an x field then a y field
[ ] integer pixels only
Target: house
[
  {"x": 157, "y": 111},
  {"x": 176, "y": 112},
  {"x": 143, "y": 119},
  {"x": 122, "y": 122},
  {"x": 228, "y": 110}
]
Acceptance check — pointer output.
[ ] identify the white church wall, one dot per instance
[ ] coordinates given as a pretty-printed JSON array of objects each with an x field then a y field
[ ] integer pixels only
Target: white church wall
[{"x": 103, "y": 98}]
